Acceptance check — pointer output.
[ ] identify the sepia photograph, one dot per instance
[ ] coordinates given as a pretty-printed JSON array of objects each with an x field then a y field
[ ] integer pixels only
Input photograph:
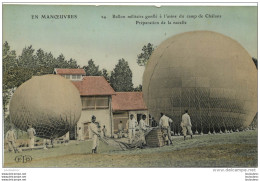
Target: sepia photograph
[{"x": 130, "y": 86}]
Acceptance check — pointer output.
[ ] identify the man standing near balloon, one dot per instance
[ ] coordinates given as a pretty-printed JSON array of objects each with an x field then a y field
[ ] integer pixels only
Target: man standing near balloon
[
  {"x": 11, "y": 139},
  {"x": 95, "y": 134},
  {"x": 31, "y": 133},
  {"x": 131, "y": 125},
  {"x": 143, "y": 130},
  {"x": 186, "y": 124},
  {"x": 165, "y": 125}
]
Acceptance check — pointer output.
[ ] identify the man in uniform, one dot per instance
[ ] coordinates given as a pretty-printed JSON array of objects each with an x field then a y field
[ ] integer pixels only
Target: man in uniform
[
  {"x": 11, "y": 139},
  {"x": 131, "y": 123},
  {"x": 186, "y": 124},
  {"x": 164, "y": 124},
  {"x": 143, "y": 129},
  {"x": 31, "y": 133},
  {"x": 94, "y": 131}
]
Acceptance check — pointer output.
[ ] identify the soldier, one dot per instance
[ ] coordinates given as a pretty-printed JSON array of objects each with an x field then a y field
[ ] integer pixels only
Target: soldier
[
  {"x": 143, "y": 129},
  {"x": 31, "y": 133},
  {"x": 164, "y": 124},
  {"x": 131, "y": 123},
  {"x": 95, "y": 134},
  {"x": 11, "y": 139},
  {"x": 186, "y": 124}
]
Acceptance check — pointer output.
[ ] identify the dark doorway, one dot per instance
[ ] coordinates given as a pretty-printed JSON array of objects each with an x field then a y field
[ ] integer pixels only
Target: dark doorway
[
  {"x": 72, "y": 133},
  {"x": 139, "y": 117}
]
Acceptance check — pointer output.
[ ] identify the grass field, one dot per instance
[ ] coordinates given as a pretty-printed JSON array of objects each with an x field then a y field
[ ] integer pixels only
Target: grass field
[{"x": 221, "y": 150}]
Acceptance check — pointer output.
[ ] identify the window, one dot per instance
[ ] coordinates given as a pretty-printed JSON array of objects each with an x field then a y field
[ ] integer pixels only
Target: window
[
  {"x": 79, "y": 77},
  {"x": 95, "y": 102},
  {"x": 74, "y": 77},
  {"x": 67, "y": 76},
  {"x": 102, "y": 102},
  {"x": 88, "y": 102}
]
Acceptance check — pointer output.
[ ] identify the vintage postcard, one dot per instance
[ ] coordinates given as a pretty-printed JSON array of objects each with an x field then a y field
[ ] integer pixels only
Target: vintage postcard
[{"x": 130, "y": 86}]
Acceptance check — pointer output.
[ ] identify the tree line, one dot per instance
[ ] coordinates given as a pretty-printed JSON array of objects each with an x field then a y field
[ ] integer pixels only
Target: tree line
[{"x": 31, "y": 62}]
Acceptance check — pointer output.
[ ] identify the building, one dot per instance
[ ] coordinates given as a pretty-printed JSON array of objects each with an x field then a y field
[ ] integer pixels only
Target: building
[
  {"x": 96, "y": 95},
  {"x": 72, "y": 74},
  {"x": 126, "y": 103},
  {"x": 99, "y": 98}
]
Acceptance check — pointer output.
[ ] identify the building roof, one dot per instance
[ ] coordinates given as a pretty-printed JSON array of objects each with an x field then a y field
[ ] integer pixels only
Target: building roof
[
  {"x": 93, "y": 86},
  {"x": 126, "y": 101},
  {"x": 69, "y": 71}
]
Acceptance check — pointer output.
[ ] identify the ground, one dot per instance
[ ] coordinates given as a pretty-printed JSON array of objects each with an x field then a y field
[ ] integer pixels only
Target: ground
[{"x": 221, "y": 150}]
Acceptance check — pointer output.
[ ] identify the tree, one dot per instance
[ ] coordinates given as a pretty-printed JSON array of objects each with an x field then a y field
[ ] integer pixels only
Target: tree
[
  {"x": 61, "y": 62},
  {"x": 40, "y": 58},
  {"x": 27, "y": 58},
  {"x": 91, "y": 69},
  {"x": 121, "y": 77},
  {"x": 73, "y": 63},
  {"x": 14, "y": 77},
  {"x": 105, "y": 74},
  {"x": 9, "y": 57},
  {"x": 50, "y": 63},
  {"x": 255, "y": 61},
  {"x": 143, "y": 57},
  {"x": 6, "y": 98},
  {"x": 9, "y": 63}
]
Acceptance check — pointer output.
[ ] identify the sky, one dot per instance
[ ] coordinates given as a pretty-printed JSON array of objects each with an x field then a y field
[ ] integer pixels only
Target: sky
[{"x": 106, "y": 40}]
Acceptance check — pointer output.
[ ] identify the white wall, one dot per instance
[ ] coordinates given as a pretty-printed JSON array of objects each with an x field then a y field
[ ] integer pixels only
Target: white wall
[{"x": 102, "y": 116}]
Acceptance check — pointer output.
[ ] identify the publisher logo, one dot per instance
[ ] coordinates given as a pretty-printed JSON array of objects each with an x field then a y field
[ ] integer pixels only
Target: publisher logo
[{"x": 23, "y": 159}]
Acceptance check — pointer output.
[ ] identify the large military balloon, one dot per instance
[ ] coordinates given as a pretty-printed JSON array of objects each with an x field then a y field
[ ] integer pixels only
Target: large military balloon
[
  {"x": 209, "y": 74},
  {"x": 50, "y": 103}
]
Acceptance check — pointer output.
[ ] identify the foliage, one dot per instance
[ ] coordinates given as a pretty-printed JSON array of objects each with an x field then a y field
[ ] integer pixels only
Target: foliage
[
  {"x": 143, "y": 57},
  {"x": 91, "y": 69},
  {"x": 9, "y": 62},
  {"x": 6, "y": 124},
  {"x": 105, "y": 74},
  {"x": 9, "y": 57},
  {"x": 121, "y": 77},
  {"x": 27, "y": 58}
]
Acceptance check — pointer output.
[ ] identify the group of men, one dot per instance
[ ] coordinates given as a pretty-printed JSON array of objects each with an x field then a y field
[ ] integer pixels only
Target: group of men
[
  {"x": 11, "y": 138},
  {"x": 165, "y": 125},
  {"x": 132, "y": 126}
]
